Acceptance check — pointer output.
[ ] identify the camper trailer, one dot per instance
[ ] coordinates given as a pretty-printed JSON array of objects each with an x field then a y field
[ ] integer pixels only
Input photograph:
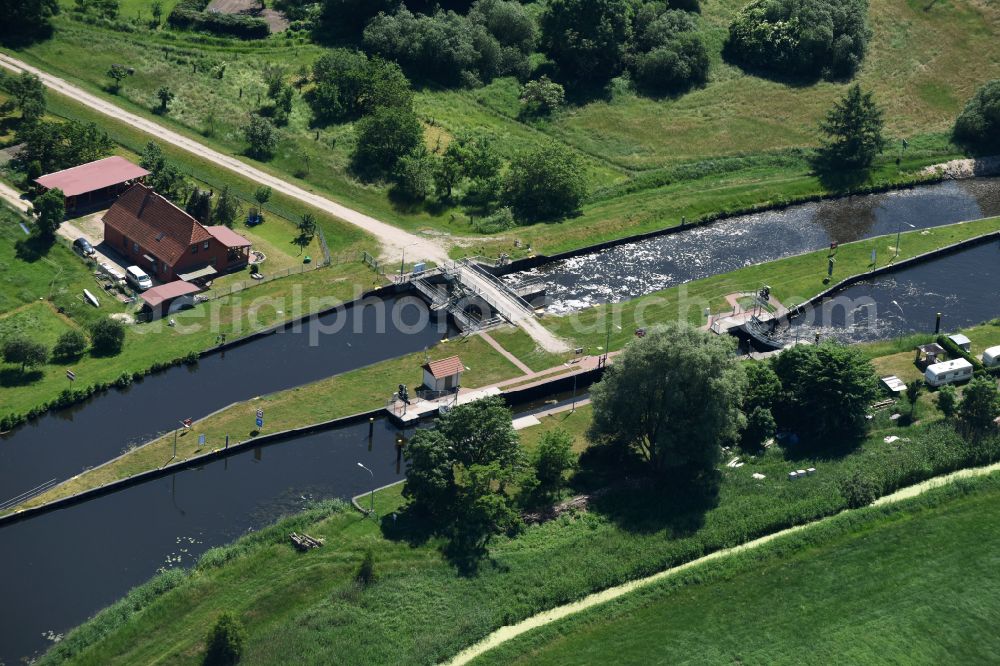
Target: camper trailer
[
  {"x": 948, "y": 372},
  {"x": 991, "y": 357}
]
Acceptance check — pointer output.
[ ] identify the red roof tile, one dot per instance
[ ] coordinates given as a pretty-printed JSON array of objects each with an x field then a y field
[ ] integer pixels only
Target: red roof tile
[
  {"x": 156, "y": 224},
  {"x": 164, "y": 292},
  {"x": 228, "y": 237},
  {"x": 445, "y": 367},
  {"x": 92, "y": 176}
]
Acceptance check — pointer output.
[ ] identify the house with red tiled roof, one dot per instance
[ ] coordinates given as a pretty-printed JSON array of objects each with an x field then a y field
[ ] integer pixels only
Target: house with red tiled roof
[
  {"x": 443, "y": 375},
  {"x": 95, "y": 182},
  {"x": 166, "y": 242}
]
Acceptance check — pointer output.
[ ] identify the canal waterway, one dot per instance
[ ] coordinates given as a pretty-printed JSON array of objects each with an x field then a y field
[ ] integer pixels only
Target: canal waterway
[
  {"x": 60, "y": 567},
  {"x": 964, "y": 287},
  {"x": 633, "y": 269},
  {"x": 64, "y": 442}
]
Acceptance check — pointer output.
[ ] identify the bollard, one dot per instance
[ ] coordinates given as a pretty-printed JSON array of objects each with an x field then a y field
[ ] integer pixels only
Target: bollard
[{"x": 937, "y": 324}]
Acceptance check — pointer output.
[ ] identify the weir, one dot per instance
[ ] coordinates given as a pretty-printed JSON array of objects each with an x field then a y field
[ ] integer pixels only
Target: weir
[{"x": 470, "y": 287}]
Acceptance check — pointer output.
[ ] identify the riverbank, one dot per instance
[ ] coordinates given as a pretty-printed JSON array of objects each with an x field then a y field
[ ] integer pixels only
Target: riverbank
[{"x": 365, "y": 389}]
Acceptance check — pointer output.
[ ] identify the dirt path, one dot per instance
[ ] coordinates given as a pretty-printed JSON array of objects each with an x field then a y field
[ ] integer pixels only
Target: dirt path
[
  {"x": 393, "y": 240},
  {"x": 13, "y": 197},
  {"x": 507, "y": 633}
]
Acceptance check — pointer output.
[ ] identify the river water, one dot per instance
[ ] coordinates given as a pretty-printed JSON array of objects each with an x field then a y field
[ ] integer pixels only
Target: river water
[
  {"x": 64, "y": 442},
  {"x": 633, "y": 269}
]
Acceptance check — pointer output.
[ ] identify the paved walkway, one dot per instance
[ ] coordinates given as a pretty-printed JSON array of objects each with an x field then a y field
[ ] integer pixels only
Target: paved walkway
[
  {"x": 394, "y": 241},
  {"x": 510, "y": 632}
]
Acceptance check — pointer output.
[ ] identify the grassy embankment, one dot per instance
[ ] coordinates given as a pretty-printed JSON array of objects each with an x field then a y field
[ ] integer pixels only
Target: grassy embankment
[
  {"x": 906, "y": 583},
  {"x": 735, "y": 143},
  {"x": 303, "y": 608},
  {"x": 235, "y": 315},
  {"x": 348, "y": 393},
  {"x": 364, "y": 389}
]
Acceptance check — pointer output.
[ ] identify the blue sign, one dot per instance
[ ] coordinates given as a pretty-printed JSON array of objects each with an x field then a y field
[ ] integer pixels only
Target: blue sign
[
  {"x": 260, "y": 423},
  {"x": 201, "y": 440}
]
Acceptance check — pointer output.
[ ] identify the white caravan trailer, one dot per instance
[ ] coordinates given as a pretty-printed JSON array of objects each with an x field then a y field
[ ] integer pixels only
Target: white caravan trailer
[
  {"x": 991, "y": 357},
  {"x": 948, "y": 372}
]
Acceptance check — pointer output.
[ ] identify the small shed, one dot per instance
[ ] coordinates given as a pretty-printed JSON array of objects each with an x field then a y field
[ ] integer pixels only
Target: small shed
[
  {"x": 962, "y": 341},
  {"x": 948, "y": 372},
  {"x": 443, "y": 375},
  {"x": 157, "y": 300},
  {"x": 928, "y": 354}
]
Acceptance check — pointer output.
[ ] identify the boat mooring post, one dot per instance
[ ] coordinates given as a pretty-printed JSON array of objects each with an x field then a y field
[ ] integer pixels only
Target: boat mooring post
[
  {"x": 937, "y": 324},
  {"x": 371, "y": 431}
]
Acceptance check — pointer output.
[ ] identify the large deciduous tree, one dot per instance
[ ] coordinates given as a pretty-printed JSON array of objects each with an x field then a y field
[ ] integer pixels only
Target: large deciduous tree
[
  {"x": 673, "y": 396},
  {"x": 24, "y": 352},
  {"x": 978, "y": 127},
  {"x": 383, "y": 138},
  {"x": 460, "y": 471},
  {"x": 826, "y": 391}
]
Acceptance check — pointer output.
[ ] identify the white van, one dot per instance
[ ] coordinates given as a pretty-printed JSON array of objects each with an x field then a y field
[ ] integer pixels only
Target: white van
[
  {"x": 948, "y": 372},
  {"x": 137, "y": 277},
  {"x": 991, "y": 357}
]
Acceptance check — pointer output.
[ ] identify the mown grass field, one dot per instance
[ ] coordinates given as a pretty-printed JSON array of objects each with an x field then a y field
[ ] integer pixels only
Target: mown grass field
[
  {"x": 925, "y": 60},
  {"x": 913, "y": 584},
  {"x": 306, "y": 608}
]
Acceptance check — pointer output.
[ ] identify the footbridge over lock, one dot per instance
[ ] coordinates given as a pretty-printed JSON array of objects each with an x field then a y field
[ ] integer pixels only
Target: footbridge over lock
[{"x": 463, "y": 286}]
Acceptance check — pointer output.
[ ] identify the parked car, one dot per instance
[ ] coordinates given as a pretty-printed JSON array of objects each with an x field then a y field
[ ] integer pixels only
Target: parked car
[
  {"x": 83, "y": 247},
  {"x": 137, "y": 277}
]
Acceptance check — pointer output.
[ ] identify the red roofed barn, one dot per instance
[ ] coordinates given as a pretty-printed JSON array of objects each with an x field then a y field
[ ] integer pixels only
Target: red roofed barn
[
  {"x": 94, "y": 182},
  {"x": 443, "y": 375},
  {"x": 168, "y": 243}
]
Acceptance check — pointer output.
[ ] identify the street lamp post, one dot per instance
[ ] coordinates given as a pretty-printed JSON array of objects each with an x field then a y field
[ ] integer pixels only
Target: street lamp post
[
  {"x": 402, "y": 260},
  {"x": 899, "y": 230},
  {"x": 372, "y": 509}
]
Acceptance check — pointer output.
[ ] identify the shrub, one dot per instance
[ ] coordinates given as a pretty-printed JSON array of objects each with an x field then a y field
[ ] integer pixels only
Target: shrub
[
  {"x": 383, "y": 138},
  {"x": 415, "y": 175},
  {"x": 978, "y": 126},
  {"x": 854, "y": 132},
  {"x": 366, "y": 572},
  {"x": 947, "y": 400},
  {"x": 546, "y": 183},
  {"x": 680, "y": 63},
  {"x": 107, "y": 336},
  {"x": 552, "y": 459},
  {"x": 860, "y": 489},
  {"x": 225, "y": 641},
  {"x": 501, "y": 220},
  {"x": 70, "y": 345},
  {"x": 812, "y": 38},
  {"x": 542, "y": 96}
]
